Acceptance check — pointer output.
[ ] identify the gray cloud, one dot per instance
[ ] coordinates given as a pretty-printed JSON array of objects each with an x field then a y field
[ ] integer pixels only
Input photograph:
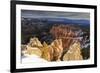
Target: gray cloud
[{"x": 39, "y": 14}]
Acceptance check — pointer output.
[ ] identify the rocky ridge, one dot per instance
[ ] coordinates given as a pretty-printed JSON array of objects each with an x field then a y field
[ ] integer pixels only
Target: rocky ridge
[{"x": 52, "y": 52}]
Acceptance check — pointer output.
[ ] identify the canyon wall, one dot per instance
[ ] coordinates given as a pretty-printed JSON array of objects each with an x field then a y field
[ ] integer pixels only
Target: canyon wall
[{"x": 66, "y": 33}]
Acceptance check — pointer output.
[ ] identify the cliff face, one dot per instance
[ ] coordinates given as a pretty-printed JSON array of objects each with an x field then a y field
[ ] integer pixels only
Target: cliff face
[
  {"x": 34, "y": 42},
  {"x": 74, "y": 53},
  {"x": 57, "y": 49},
  {"x": 50, "y": 52},
  {"x": 32, "y": 48},
  {"x": 66, "y": 33},
  {"x": 71, "y": 34}
]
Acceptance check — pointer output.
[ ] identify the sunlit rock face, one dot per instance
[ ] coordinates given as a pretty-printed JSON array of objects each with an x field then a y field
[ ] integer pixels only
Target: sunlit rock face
[
  {"x": 34, "y": 42},
  {"x": 52, "y": 52},
  {"x": 32, "y": 48},
  {"x": 47, "y": 52},
  {"x": 70, "y": 34},
  {"x": 66, "y": 33},
  {"x": 57, "y": 48},
  {"x": 74, "y": 53}
]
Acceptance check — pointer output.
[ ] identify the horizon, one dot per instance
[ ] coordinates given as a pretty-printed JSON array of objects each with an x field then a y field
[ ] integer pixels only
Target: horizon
[{"x": 54, "y": 14}]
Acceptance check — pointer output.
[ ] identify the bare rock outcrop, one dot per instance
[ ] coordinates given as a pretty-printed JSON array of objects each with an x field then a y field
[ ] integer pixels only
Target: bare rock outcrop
[
  {"x": 74, "y": 53},
  {"x": 32, "y": 48},
  {"x": 34, "y": 42},
  {"x": 52, "y": 52},
  {"x": 47, "y": 52},
  {"x": 66, "y": 33},
  {"x": 57, "y": 48}
]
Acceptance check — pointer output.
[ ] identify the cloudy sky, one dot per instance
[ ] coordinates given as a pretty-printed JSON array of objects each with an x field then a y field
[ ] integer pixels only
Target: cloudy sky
[{"x": 52, "y": 14}]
